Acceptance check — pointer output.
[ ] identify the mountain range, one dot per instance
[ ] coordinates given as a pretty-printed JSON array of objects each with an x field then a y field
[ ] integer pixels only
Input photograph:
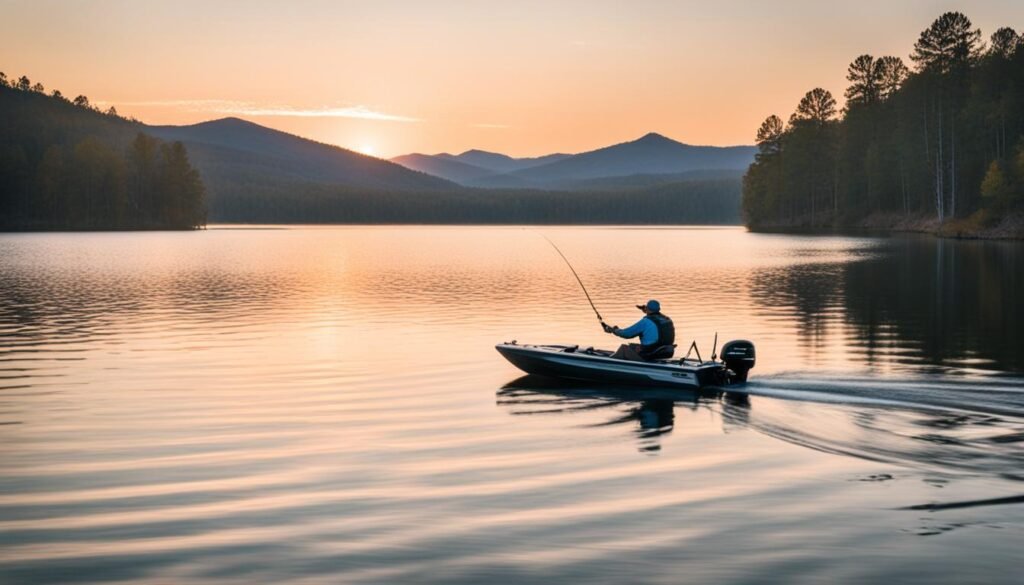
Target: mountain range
[
  {"x": 257, "y": 169},
  {"x": 254, "y": 174},
  {"x": 474, "y": 167},
  {"x": 231, "y": 152},
  {"x": 647, "y": 156}
]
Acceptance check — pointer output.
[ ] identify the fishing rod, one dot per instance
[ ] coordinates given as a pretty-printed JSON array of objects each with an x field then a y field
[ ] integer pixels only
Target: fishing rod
[{"x": 569, "y": 264}]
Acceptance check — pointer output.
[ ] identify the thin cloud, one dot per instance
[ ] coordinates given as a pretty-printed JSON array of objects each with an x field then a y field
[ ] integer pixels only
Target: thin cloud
[
  {"x": 251, "y": 109},
  {"x": 361, "y": 112}
]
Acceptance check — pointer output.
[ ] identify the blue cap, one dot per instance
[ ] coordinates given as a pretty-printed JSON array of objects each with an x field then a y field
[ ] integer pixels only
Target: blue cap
[{"x": 652, "y": 306}]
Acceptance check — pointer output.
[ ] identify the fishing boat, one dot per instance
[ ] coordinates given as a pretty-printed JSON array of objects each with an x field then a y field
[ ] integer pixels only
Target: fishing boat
[{"x": 597, "y": 365}]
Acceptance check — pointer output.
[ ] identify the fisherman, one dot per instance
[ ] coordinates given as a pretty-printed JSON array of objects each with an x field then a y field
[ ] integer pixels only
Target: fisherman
[{"x": 656, "y": 331}]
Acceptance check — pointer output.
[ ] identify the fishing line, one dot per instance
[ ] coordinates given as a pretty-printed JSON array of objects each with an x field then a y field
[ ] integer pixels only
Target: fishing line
[{"x": 569, "y": 264}]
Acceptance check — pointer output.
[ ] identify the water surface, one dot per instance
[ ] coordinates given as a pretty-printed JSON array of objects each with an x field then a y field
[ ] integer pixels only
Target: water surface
[{"x": 325, "y": 404}]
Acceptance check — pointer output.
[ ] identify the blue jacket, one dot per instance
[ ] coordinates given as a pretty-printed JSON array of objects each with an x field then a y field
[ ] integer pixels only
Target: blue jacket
[{"x": 645, "y": 328}]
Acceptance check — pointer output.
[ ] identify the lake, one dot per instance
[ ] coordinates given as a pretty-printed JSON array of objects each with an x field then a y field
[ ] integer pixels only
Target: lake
[{"x": 325, "y": 404}]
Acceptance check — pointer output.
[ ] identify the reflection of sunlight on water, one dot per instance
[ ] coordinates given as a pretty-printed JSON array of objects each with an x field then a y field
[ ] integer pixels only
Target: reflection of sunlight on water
[
  {"x": 319, "y": 404},
  {"x": 494, "y": 283}
]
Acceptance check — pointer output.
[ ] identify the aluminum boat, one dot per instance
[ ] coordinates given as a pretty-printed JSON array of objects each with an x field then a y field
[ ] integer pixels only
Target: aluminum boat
[{"x": 596, "y": 365}]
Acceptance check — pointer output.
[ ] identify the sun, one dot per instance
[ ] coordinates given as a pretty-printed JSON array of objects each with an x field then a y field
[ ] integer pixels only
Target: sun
[{"x": 368, "y": 150}]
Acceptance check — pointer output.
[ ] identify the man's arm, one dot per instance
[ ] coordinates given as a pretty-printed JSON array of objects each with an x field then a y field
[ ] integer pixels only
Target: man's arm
[{"x": 631, "y": 331}]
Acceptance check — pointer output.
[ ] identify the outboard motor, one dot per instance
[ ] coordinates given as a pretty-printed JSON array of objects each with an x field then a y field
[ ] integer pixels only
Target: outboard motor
[{"x": 738, "y": 356}]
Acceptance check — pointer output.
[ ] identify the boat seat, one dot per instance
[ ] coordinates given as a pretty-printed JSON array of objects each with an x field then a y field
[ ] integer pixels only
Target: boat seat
[{"x": 660, "y": 353}]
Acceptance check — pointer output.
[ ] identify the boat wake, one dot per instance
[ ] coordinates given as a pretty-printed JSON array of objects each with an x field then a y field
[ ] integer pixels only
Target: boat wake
[
  {"x": 944, "y": 429},
  {"x": 998, "y": 396}
]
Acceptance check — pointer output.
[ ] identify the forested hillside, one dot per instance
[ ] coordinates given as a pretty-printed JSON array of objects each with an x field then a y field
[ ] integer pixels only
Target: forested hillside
[
  {"x": 942, "y": 139},
  {"x": 230, "y": 149},
  {"x": 66, "y": 165},
  {"x": 704, "y": 201}
]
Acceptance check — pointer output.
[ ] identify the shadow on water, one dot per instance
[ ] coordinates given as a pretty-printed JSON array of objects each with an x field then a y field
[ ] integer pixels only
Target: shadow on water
[
  {"x": 650, "y": 413},
  {"x": 916, "y": 428}
]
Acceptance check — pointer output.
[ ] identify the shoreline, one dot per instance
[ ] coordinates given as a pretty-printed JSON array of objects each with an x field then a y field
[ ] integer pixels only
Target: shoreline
[
  {"x": 975, "y": 227},
  {"x": 82, "y": 229},
  {"x": 215, "y": 225},
  {"x": 1009, "y": 228}
]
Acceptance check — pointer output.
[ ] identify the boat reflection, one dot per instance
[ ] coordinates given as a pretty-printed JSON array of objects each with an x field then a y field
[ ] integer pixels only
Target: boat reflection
[
  {"x": 650, "y": 412},
  {"x": 940, "y": 444}
]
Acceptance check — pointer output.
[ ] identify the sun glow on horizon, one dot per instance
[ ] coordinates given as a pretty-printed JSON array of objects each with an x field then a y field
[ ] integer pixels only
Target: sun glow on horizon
[{"x": 519, "y": 78}]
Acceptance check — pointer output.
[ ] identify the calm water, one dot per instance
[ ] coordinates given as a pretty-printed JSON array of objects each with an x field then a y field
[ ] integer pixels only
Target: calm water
[{"x": 325, "y": 405}]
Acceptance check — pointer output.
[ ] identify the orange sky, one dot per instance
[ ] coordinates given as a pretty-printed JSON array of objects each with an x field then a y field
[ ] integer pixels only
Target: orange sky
[{"x": 524, "y": 77}]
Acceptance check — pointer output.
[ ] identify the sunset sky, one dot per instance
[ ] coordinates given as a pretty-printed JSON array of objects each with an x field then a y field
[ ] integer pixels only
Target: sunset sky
[{"x": 525, "y": 78}]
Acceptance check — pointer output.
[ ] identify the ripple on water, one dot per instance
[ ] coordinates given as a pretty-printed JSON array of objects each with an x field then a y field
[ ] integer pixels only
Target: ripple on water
[{"x": 316, "y": 405}]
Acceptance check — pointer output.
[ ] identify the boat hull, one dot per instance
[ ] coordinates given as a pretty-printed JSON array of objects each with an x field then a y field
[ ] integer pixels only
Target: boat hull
[{"x": 565, "y": 362}]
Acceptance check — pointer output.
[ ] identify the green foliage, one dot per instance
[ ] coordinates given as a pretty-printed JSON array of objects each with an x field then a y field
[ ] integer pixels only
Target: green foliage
[
  {"x": 1003, "y": 185},
  {"x": 891, "y": 74},
  {"x": 1018, "y": 165},
  {"x": 817, "y": 107},
  {"x": 769, "y": 136},
  {"x": 996, "y": 185},
  {"x": 872, "y": 80},
  {"x": 936, "y": 141},
  {"x": 66, "y": 166},
  {"x": 1003, "y": 43},
  {"x": 948, "y": 44},
  {"x": 865, "y": 80}
]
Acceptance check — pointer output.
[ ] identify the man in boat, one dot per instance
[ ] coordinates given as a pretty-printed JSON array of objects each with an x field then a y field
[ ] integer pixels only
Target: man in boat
[{"x": 656, "y": 331}]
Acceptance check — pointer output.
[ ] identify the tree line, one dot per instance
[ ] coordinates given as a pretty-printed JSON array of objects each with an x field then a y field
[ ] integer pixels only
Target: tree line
[
  {"x": 66, "y": 165},
  {"x": 265, "y": 199},
  {"x": 943, "y": 139}
]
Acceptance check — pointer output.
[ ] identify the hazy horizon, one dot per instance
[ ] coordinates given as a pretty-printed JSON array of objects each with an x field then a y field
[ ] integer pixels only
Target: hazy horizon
[{"x": 393, "y": 79}]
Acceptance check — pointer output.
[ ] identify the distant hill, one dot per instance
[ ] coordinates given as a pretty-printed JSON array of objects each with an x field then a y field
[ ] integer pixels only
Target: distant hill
[
  {"x": 443, "y": 167},
  {"x": 258, "y": 174},
  {"x": 643, "y": 160},
  {"x": 234, "y": 143},
  {"x": 501, "y": 163},
  {"x": 261, "y": 175},
  {"x": 475, "y": 167},
  {"x": 651, "y": 154}
]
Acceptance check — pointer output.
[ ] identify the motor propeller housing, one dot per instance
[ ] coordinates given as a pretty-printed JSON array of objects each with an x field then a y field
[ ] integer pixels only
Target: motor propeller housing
[{"x": 739, "y": 356}]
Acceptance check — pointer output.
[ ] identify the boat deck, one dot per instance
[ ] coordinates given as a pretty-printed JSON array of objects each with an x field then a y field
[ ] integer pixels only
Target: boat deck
[{"x": 571, "y": 362}]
